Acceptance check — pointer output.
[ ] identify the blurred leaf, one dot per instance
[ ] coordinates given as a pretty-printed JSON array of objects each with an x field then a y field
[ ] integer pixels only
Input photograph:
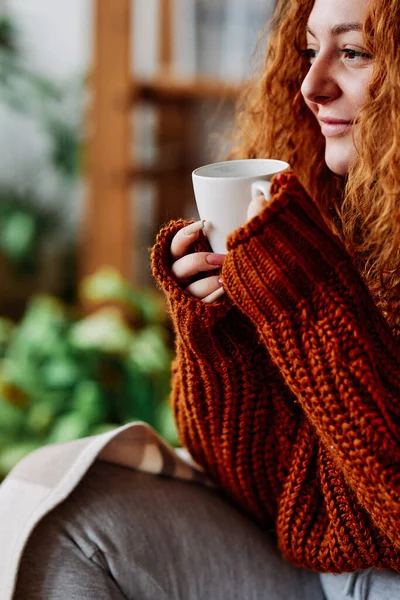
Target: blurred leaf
[
  {"x": 66, "y": 149},
  {"x": 69, "y": 427},
  {"x": 18, "y": 236},
  {"x": 62, "y": 372},
  {"x": 17, "y": 380},
  {"x": 7, "y": 34},
  {"x": 165, "y": 424},
  {"x": 42, "y": 329},
  {"x": 88, "y": 400},
  {"x": 6, "y": 331},
  {"x": 12, "y": 419},
  {"x": 13, "y": 394},
  {"x": 138, "y": 400},
  {"x": 103, "y": 331},
  {"x": 107, "y": 285},
  {"x": 152, "y": 306},
  {"x": 40, "y": 417},
  {"x": 149, "y": 350}
]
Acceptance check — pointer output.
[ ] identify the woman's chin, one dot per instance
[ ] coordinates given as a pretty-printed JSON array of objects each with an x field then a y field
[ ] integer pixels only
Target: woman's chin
[{"x": 338, "y": 156}]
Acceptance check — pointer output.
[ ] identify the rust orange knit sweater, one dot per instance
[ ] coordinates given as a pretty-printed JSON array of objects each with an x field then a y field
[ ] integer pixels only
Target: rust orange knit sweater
[{"x": 287, "y": 391}]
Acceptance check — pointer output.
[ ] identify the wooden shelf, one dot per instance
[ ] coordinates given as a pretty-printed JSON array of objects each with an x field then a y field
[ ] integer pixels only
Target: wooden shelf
[
  {"x": 109, "y": 231},
  {"x": 166, "y": 88}
]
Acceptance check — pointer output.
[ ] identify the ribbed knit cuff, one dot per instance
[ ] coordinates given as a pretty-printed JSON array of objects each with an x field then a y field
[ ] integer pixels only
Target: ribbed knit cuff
[
  {"x": 280, "y": 255},
  {"x": 185, "y": 309}
]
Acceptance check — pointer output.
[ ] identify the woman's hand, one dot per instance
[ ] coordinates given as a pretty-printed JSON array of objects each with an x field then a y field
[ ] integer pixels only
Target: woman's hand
[{"x": 188, "y": 266}]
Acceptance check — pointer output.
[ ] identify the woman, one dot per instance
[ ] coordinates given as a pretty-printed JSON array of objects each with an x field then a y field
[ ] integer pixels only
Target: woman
[{"x": 286, "y": 389}]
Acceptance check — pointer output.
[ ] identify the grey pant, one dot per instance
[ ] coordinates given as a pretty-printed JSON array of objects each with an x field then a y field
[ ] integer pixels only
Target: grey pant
[{"x": 123, "y": 535}]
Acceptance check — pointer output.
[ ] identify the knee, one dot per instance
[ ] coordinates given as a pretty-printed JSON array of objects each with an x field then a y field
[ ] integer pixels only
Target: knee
[{"x": 68, "y": 541}]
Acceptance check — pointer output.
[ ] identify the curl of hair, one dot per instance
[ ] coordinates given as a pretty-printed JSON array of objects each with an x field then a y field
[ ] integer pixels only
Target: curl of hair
[{"x": 273, "y": 121}]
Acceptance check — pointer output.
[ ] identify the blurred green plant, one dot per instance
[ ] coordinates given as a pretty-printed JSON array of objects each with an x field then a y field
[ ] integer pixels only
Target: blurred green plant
[
  {"x": 64, "y": 375},
  {"x": 40, "y": 188},
  {"x": 7, "y": 33}
]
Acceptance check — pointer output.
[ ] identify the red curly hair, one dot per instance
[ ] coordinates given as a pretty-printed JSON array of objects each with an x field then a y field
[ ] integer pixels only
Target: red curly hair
[{"x": 274, "y": 121}]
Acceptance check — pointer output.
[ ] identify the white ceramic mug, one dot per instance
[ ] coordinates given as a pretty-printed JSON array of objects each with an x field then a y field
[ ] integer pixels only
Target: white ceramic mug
[{"x": 223, "y": 192}]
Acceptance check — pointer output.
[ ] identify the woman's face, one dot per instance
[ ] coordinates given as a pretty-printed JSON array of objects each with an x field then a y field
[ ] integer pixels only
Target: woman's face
[{"x": 336, "y": 86}]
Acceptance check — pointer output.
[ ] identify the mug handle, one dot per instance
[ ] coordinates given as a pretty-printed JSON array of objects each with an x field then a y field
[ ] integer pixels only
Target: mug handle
[{"x": 261, "y": 188}]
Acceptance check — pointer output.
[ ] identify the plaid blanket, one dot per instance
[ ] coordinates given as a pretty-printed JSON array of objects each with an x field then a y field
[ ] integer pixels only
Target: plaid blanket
[{"x": 46, "y": 477}]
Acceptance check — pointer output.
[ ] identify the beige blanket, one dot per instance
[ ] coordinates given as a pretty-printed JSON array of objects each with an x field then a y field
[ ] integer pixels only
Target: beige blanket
[{"x": 47, "y": 476}]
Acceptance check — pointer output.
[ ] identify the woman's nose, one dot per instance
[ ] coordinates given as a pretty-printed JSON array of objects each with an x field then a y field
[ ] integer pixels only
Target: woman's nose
[{"x": 320, "y": 85}]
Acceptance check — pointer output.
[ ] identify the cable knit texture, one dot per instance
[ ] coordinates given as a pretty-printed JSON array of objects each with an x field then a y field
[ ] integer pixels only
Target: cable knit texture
[{"x": 287, "y": 390}]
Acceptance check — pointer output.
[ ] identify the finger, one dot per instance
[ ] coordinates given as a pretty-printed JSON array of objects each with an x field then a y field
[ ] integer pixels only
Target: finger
[
  {"x": 195, "y": 263},
  {"x": 214, "y": 296},
  {"x": 185, "y": 237},
  {"x": 256, "y": 206},
  {"x": 204, "y": 287}
]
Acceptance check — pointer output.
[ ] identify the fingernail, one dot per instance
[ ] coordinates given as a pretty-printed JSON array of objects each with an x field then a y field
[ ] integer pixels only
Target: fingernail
[
  {"x": 220, "y": 281},
  {"x": 215, "y": 259},
  {"x": 214, "y": 296},
  {"x": 194, "y": 228}
]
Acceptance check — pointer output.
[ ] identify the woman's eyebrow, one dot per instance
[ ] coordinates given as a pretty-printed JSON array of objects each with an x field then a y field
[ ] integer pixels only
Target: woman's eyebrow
[{"x": 341, "y": 28}]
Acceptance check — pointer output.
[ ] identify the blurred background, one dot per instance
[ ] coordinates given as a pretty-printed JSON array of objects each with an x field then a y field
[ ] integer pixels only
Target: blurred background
[{"x": 105, "y": 109}]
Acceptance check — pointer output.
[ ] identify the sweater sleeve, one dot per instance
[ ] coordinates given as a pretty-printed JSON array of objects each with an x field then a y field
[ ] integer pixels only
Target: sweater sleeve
[
  {"x": 231, "y": 406},
  {"x": 293, "y": 279}
]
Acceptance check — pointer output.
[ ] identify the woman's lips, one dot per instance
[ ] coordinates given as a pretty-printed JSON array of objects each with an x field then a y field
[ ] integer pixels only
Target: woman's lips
[{"x": 334, "y": 127}]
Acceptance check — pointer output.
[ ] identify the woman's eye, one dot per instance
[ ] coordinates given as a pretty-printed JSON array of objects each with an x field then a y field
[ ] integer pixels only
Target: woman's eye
[
  {"x": 355, "y": 55},
  {"x": 350, "y": 55},
  {"x": 310, "y": 54}
]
